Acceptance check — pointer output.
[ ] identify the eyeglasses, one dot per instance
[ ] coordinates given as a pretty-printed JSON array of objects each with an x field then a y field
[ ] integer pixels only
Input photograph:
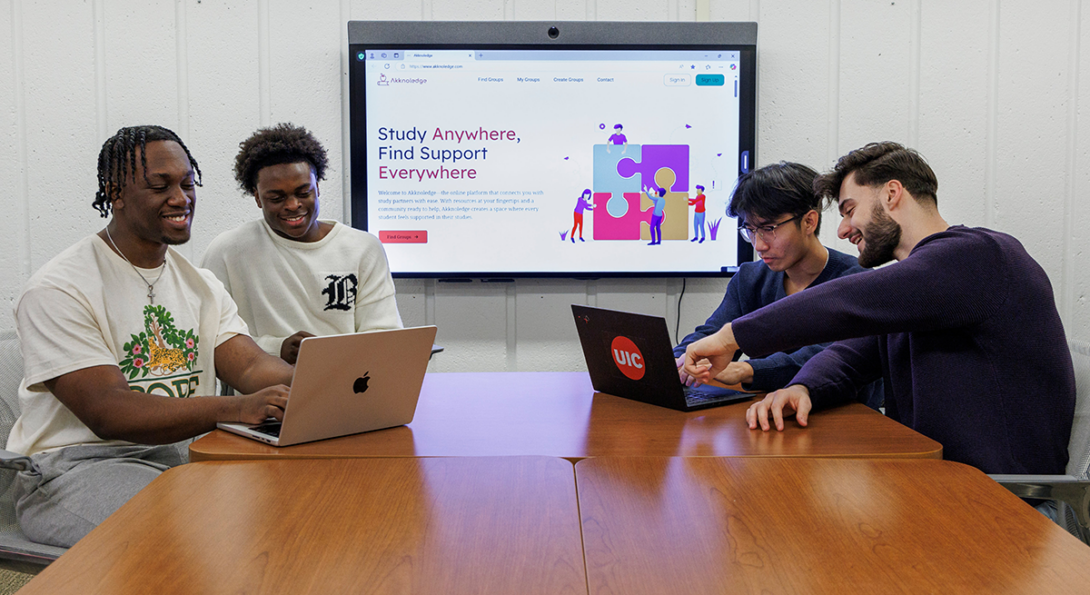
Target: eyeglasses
[{"x": 767, "y": 233}]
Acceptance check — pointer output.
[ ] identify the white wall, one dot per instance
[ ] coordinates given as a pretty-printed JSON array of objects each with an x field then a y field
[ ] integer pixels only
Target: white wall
[{"x": 988, "y": 91}]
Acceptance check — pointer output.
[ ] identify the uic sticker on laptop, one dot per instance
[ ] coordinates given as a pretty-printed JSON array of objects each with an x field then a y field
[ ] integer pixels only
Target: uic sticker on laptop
[{"x": 628, "y": 358}]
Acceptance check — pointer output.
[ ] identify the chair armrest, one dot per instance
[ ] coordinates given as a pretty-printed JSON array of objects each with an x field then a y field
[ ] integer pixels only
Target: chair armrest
[
  {"x": 1071, "y": 490},
  {"x": 14, "y": 460}
]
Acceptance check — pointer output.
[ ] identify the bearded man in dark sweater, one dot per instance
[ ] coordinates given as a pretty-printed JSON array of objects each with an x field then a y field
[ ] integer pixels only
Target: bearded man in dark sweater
[
  {"x": 963, "y": 328},
  {"x": 780, "y": 215}
]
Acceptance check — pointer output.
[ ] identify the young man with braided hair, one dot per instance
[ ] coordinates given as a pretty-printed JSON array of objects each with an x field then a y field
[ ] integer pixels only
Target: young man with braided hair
[
  {"x": 963, "y": 328},
  {"x": 291, "y": 274},
  {"x": 118, "y": 332}
]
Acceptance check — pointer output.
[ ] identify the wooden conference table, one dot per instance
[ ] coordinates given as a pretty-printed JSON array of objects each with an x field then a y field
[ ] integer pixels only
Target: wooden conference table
[
  {"x": 559, "y": 414},
  {"x": 638, "y": 525},
  {"x": 440, "y": 525},
  {"x": 658, "y": 526}
]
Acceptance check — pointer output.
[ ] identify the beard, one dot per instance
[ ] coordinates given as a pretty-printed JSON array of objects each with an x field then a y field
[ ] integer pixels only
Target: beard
[{"x": 880, "y": 238}]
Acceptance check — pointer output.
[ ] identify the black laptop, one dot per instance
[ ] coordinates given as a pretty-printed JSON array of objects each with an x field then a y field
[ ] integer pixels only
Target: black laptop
[{"x": 630, "y": 355}]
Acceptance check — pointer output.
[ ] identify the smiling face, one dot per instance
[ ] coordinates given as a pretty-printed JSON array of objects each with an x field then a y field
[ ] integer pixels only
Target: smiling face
[
  {"x": 155, "y": 206},
  {"x": 288, "y": 196},
  {"x": 866, "y": 224}
]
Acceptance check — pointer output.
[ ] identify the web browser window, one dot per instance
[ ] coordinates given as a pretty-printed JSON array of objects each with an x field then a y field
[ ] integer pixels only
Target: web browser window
[{"x": 551, "y": 161}]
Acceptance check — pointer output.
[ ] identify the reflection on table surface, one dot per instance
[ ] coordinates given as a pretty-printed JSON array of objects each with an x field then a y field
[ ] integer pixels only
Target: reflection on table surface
[
  {"x": 432, "y": 525},
  {"x": 778, "y": 525},
  {"x": 559, "y": 414}
]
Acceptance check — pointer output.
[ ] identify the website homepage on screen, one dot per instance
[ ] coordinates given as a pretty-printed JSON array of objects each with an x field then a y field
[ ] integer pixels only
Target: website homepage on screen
[{"x": 552, "y": 161}]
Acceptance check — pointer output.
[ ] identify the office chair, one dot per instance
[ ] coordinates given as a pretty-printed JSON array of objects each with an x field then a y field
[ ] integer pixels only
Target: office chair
[
  {"x": 16, "y": 551},
  {"x": 1070, "y": 492}
]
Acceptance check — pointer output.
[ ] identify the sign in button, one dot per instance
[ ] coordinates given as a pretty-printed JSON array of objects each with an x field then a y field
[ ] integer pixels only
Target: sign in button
[
  {"x": 403, "y": 237},
  {"x": 709, "y": 80},
  {"x": 677, "y": 80}
]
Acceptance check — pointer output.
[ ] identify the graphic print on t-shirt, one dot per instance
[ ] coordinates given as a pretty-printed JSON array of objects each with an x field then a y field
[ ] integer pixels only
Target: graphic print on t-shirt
[
  {"x": 340, "y": 291},
  {"x": 161, "y": 349}
]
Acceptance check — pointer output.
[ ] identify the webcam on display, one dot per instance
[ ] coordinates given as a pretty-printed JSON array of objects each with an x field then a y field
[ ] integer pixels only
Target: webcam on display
[{"x": 554, "y": 32}]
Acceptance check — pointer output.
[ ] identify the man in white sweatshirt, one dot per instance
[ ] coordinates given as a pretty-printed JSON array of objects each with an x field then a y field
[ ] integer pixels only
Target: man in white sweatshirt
[{"x": 291, "y": 274}]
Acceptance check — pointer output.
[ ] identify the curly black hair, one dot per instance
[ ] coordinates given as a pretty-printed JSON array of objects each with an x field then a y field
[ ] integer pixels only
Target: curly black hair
[
  {"x": 283, "y": 143},
  {"x": 117, "y": 161}
]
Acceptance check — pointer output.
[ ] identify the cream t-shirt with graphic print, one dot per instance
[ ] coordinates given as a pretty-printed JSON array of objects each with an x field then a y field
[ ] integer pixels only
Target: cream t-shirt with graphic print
[{"x": 88, "y": 307}]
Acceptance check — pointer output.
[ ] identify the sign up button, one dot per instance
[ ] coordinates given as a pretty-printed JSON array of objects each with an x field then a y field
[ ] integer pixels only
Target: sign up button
[
  {"x": 709, "y": 80},
  {"x": 403, "y": 237}
]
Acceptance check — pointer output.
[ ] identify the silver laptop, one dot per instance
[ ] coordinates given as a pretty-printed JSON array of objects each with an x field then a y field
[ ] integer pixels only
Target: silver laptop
[{"x": 347, "y": 384}]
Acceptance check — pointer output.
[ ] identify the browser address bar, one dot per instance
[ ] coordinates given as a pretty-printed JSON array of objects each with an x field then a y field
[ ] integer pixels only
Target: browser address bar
[{"x": 416, "y": 66}]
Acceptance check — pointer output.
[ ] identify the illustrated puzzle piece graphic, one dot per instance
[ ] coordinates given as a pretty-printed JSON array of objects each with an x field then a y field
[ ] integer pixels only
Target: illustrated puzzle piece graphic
[
  {"x": 650, "y": 160},
  {"x": 606, "y": 178},
  {"x": 620, "y": 219},
  {"x": 675, "y": 219}
]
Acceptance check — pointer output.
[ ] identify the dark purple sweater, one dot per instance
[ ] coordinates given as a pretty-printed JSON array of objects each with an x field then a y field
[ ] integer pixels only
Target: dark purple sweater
[{"x": 965, "y": 333}]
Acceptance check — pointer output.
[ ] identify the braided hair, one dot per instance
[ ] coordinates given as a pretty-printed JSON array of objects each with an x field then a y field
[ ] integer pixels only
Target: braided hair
[
  {"x": 283, "y": 143},
  {"x": 117, "y": 161}
]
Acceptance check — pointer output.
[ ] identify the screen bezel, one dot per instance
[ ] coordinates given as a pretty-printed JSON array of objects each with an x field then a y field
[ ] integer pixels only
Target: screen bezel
[{"x": 571, "y": 35}]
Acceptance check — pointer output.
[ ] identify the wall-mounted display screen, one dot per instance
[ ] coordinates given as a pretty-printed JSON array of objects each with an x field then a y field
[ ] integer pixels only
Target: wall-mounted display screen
[{"x": 537, "y": 149}]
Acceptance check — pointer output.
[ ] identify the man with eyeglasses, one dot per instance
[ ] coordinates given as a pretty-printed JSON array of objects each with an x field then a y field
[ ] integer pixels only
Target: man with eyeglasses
[
  {"x": 780, "y": 215},
  {"x": 963, "y": 328}
]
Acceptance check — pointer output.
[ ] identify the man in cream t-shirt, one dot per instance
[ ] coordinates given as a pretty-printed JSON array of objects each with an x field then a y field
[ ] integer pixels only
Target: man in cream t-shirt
[
  {"x": 291, "y": 274},
  {"x": 118, "y": 333},
  {"x": 165, "y": 347}
]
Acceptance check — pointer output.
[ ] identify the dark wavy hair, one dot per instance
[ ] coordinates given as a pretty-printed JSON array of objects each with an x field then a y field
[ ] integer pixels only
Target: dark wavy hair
[
  {"x": 775, "y": 190},
  {"x": 878, "y": 163},
  {"x": 117, "y": 161},
  {"x": 283, "y": 143}
]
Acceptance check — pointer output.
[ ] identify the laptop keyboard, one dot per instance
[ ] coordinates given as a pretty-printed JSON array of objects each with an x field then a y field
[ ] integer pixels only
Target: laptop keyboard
[
  {"x": 271, "y": 428},
  {"x": 695, "y": 397}
]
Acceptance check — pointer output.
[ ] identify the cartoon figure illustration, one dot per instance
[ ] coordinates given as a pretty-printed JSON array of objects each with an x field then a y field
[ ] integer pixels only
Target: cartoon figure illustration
[
  {"x": 698, "y": 214},
  {"x": 659, "y": 198},
  {"x": 618, "y": 138},
  {"x": 583, "y": 203},
  {"x": 620, "y": 185}
]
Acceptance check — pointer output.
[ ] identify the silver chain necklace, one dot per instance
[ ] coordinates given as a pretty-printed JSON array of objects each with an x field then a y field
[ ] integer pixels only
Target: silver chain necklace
[{"x": 150, "y": 284}]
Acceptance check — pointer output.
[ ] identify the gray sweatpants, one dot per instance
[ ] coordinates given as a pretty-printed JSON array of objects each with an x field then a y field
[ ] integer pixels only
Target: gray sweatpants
[{"x": 70, "y": 491}]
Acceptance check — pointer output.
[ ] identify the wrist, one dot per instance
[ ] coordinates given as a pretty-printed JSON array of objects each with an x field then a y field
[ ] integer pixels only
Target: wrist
[
  {"x": 726, "y": 340},
  {"x": 227, "y": 409},
  {"x": 801, "y": 388},
  {"x": 746, "y": 373}
]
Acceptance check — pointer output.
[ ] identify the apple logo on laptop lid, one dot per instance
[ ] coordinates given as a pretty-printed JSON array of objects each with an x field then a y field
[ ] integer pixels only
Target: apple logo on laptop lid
[
  {"x": 360, "y": 385},
  {"x": 628, "y": 358}
]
